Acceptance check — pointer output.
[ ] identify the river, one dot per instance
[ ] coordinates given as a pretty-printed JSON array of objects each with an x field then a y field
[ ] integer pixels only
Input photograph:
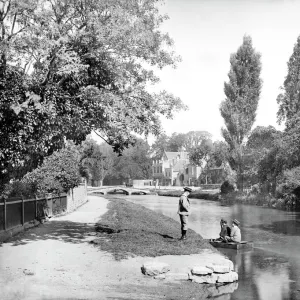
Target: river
[{"x": 271, "y": 271}]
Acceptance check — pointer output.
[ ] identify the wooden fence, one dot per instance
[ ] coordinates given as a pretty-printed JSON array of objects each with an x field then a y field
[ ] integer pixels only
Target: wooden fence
[{"x": 16, "y": 211}]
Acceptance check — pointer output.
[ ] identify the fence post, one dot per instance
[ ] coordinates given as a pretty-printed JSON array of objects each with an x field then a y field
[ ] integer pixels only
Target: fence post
[
  {"x": 23, "y": 211},
  {"x": 35, "y": 202},
  {"x": 4, "y": 214}
]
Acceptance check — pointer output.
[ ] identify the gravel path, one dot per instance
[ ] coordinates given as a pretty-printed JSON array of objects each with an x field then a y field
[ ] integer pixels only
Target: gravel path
[{"x": 57, "y": 261}]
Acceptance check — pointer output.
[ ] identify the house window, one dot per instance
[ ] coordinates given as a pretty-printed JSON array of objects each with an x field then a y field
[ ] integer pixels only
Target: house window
[{"x": 187, "y": 171}]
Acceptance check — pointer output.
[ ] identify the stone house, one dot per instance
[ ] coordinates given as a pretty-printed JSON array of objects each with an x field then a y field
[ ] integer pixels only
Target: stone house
[{"x": 174, "y": 168}]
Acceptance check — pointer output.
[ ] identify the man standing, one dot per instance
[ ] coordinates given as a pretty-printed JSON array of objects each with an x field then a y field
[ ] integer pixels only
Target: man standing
[{"x": 184, "y": 211}]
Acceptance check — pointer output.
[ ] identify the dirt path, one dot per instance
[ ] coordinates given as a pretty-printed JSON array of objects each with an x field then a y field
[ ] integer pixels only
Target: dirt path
[{"x": 56, "y": 261}]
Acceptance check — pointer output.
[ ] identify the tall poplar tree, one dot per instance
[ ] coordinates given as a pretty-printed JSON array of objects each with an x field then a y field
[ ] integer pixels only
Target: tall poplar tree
[
  {"x": 242, "y": 93},
  {"x": 289, "y": 99}
]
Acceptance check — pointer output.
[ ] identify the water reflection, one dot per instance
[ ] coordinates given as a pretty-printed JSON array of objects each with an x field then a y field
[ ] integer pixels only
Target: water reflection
[{"x": 271, "y": 271}]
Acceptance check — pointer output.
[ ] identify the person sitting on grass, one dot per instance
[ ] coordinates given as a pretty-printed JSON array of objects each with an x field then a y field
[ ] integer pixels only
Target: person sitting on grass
[{"x": 235, "y": 235}]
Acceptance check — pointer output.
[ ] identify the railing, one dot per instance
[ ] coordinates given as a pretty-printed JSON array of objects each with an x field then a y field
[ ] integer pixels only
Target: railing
[{"x": 16, "y": 211}]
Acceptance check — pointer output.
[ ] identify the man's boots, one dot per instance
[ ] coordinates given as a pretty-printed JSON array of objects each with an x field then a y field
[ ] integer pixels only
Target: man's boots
[{"x": 183, "y": 235}]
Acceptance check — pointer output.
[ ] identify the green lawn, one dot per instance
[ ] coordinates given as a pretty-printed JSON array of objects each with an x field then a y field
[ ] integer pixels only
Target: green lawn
[{"x": 128, "y": 229}]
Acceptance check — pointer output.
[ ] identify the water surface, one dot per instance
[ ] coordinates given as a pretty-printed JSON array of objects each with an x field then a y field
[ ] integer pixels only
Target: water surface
[{"x": 271, "y": 271}]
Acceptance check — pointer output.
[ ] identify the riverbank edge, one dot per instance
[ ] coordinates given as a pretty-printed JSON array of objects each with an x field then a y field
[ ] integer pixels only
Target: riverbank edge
[{"x": 262, "y": 200}]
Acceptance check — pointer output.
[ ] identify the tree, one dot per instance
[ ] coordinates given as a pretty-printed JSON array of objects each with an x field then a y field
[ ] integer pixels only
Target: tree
[
  {"x": 238, "y": 110},
  {"x": 289, "y": 99},
  {"x": 177, "y": 142},
  {"x": 261, "y": 144},
  {"x": 160, "y": 145},
  {"x": 80, "y": 66},
  {"x": 97, "y": 160},
  {"x": 200, "y": 155},
  {"x": 196, "y": 138},
  {"x": 135, "y": 163}
]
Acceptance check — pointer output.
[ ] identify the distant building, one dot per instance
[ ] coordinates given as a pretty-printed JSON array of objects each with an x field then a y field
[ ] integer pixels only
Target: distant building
[{"x": 174, "y": 168}]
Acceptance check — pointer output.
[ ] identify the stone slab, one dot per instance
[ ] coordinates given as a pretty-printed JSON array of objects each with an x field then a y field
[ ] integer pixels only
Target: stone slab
[
  {"x": 200, "y": 270},
  {"x": 154, "y": 268}
]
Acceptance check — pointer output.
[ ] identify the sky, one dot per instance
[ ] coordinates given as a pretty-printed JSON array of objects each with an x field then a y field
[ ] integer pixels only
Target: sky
[{"x": 205, "y": 33}]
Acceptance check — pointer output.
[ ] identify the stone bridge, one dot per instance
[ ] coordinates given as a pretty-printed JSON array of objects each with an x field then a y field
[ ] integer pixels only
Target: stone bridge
[{"x": 117, "y": 189}]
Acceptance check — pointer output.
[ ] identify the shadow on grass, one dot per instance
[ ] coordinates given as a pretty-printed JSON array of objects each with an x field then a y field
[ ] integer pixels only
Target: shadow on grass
[{"x": 65, "y": 231}]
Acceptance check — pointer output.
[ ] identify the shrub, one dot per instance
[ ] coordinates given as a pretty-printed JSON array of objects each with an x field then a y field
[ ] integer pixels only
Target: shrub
[
  {"x": 58, "y": 173},
  {"x": 227, "y": 187},
  {"x": 289, "y": 189},
  {"x": 255, "y": 189},
  {"x": 17, "y": 189}
]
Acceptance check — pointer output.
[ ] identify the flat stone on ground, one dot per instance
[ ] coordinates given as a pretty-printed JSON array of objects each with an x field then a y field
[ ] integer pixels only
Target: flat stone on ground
[
  {"x": 218, "y": 268},
  {"x": 154, "y": 268},
  {"x": 228, "y": 277},
  {"x": 200, "y": 270},
  {"x": 212, "y": 278}
]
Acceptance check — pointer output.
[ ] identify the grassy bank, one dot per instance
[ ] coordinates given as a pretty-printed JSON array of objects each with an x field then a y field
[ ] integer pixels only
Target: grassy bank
[
  {"x": 198, "y": 194},
  {"x": 128, "y": 229}
]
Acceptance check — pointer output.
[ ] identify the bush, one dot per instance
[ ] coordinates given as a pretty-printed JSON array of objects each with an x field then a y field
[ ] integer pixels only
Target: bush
[
  {"x": 58, "y": 173},
  {"x": 289, "y": 190},
  {"x": 255, "y": 189},
  {"x": 227, "y": 187}
]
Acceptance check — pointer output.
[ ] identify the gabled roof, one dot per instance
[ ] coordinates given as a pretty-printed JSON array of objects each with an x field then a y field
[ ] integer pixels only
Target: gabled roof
[{"x": 173, "y": 155}]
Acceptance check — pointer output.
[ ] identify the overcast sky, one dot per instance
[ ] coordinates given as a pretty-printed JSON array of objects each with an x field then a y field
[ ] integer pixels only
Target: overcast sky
[{"x": 205, "y": 33}]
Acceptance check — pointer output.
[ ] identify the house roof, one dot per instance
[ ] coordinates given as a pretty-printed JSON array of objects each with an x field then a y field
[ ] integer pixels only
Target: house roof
[{"x": 173, "y": 155}]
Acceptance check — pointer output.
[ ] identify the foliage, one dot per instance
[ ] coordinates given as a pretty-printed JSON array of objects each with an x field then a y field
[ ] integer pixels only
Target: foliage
[
  {"x": 259, "y": 152},
  {"x": 201, "y": 154},
  {"x": 135, "y": 163},
  {"x": 290, "y": 183},
  {"x": 227, "y": 187},
  {"x": 239, "y": 108},
  {"x": 160, "y": 145},
  {"x": 179, "y": 142},
  {"x": 288, "y": 100},
  {"x": 69, "y": 69},
  {"x": 58, "y": 173},
  {"x": 96, "y": 160}
]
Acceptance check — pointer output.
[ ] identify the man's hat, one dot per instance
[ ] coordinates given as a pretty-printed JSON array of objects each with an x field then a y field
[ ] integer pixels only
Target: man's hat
[
  {"x": 236, "y": 222},
  {"x": 186, "y": 188}
]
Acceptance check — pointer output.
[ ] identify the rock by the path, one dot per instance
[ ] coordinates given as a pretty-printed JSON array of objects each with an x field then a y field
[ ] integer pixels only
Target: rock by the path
[
  {"x": 228, "y": 277},
  {"x": 212, "y": 278},
  {"x": 200, "y": 270},
  {"x": 215, "y": 278},
  {"x": 218, "y": 268},
  {"x": 154, "y": 268}
]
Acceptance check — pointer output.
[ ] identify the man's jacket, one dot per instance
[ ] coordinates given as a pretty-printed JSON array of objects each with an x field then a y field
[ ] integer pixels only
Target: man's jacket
[{"x": 184, "y": 207}]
